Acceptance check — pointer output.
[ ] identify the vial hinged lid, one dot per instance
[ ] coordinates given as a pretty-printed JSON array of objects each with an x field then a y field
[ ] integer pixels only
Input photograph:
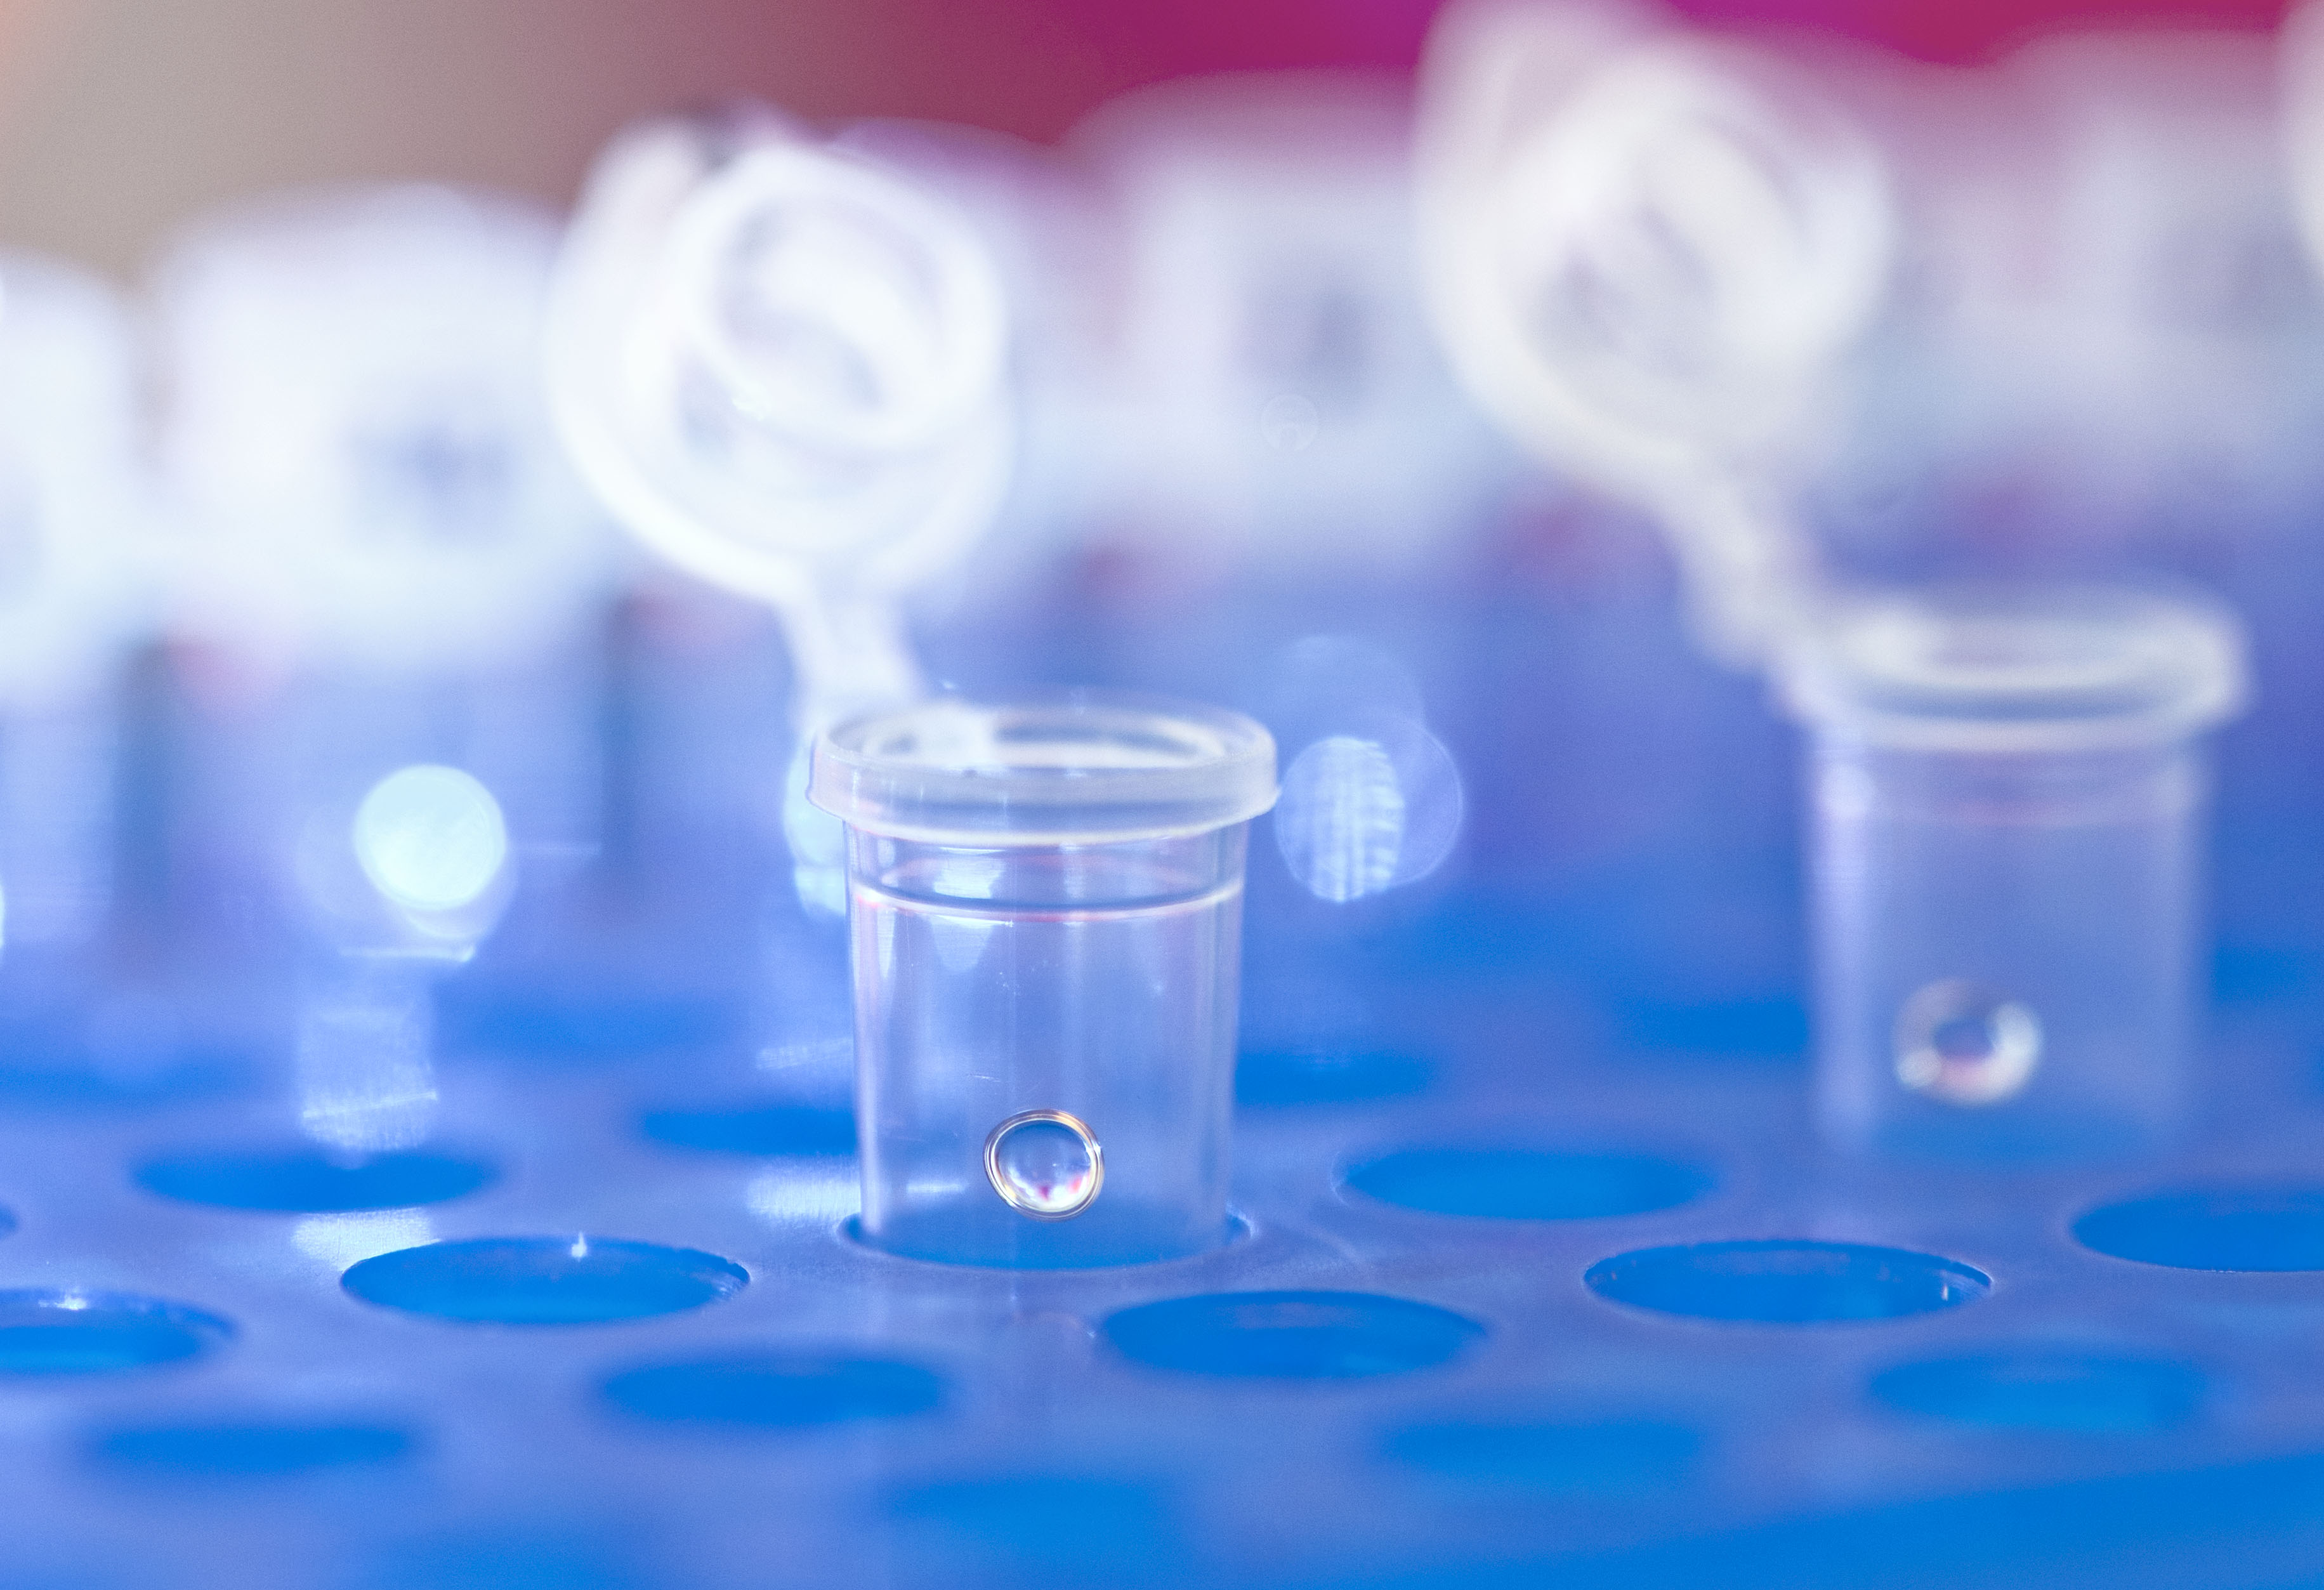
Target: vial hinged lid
[
  {"x": 1084, "y": 767},
  {"x": 2016, "y": 668}
]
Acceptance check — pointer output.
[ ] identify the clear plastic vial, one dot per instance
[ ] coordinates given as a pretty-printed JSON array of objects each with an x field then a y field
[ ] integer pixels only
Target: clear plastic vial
[
  {"x": 2008, "y": 790},
  {"x": 1044, "y": 903}
]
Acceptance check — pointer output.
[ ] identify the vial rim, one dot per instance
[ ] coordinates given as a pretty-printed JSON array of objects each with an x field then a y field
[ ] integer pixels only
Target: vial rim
[
  {"x": 949, "y": 771},
  {"x": 2005, "y": 668}
]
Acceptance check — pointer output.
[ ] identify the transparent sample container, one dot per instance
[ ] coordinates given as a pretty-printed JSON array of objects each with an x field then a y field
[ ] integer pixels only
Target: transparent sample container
[
  {"x": 2008, "y": 790},
  {"x": 1044, "y": 902}
]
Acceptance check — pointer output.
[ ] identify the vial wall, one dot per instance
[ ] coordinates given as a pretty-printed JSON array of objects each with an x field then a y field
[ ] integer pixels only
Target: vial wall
[
  {"x": 1044, "y": 905},
  {"x": 1091, "y": 988},
  {"x": 2006, "y": 797},
  {"x": 78, "y": 585},
  {"x": 404, "y": 571}
]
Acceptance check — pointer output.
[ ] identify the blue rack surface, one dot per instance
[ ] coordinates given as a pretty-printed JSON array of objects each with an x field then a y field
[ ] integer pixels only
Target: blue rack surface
[{"x": 1538, "y": 1275}]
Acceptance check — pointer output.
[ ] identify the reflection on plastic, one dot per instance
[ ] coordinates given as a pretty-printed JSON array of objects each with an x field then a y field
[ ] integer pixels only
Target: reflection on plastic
[
  {"x": 1355, "y": 820},
  {"x": 1340, "y": 822},
  {"x": 365, "y": 1066},
  {"x": 1961, "y": 1043},
  {"x": 1372, "y": 800},
  {"x": 338, "y": 1241},
  {"x": 430, "y": 838}
]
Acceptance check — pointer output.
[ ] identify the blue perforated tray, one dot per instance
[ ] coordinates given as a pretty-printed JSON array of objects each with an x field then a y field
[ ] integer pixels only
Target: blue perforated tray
[{"x": 1539, "y": 1279}]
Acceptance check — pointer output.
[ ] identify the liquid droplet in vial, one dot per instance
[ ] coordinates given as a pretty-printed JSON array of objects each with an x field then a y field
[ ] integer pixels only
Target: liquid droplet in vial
[
  {"x": 1045, "y": 1163},
  {"x": 1961, "y": 1043}
]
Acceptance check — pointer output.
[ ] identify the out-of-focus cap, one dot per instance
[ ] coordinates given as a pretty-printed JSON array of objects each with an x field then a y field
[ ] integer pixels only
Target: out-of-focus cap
[
  {"x": 1080, "y": 767},
  {"x": 2000, "y": 667}
]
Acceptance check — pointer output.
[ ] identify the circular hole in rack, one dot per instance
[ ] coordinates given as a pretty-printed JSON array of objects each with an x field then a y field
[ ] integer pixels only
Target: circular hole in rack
[
  {"x": 2247, "y": 1228},
  {"x": 776, "y": 1391},
  {"x": 1327, "y": 1076},
  {"x": 260, "y": 1450},
  {"x": 1077, "y": 1518},
  {"x": 925, "y": 1242},
  {"x": 764, "y": 1130},
  {"x": 556, "y": 1553},
  {"x": 305, "y": 1181},
  {"x": 68, "y": 1333},
  {"x": 1292, "y": 1336},
  {"x": 1529, "y": 1184},
  {"x": 1784, "y": 1282},
  {"x": 544, "y": 1279},
  {"x": 2047, "y": 1390},
  {"x": 1599, "y": 1457},
  {"x": 66, "y": 1084},
  {"x": 578, "y": 1024}
]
